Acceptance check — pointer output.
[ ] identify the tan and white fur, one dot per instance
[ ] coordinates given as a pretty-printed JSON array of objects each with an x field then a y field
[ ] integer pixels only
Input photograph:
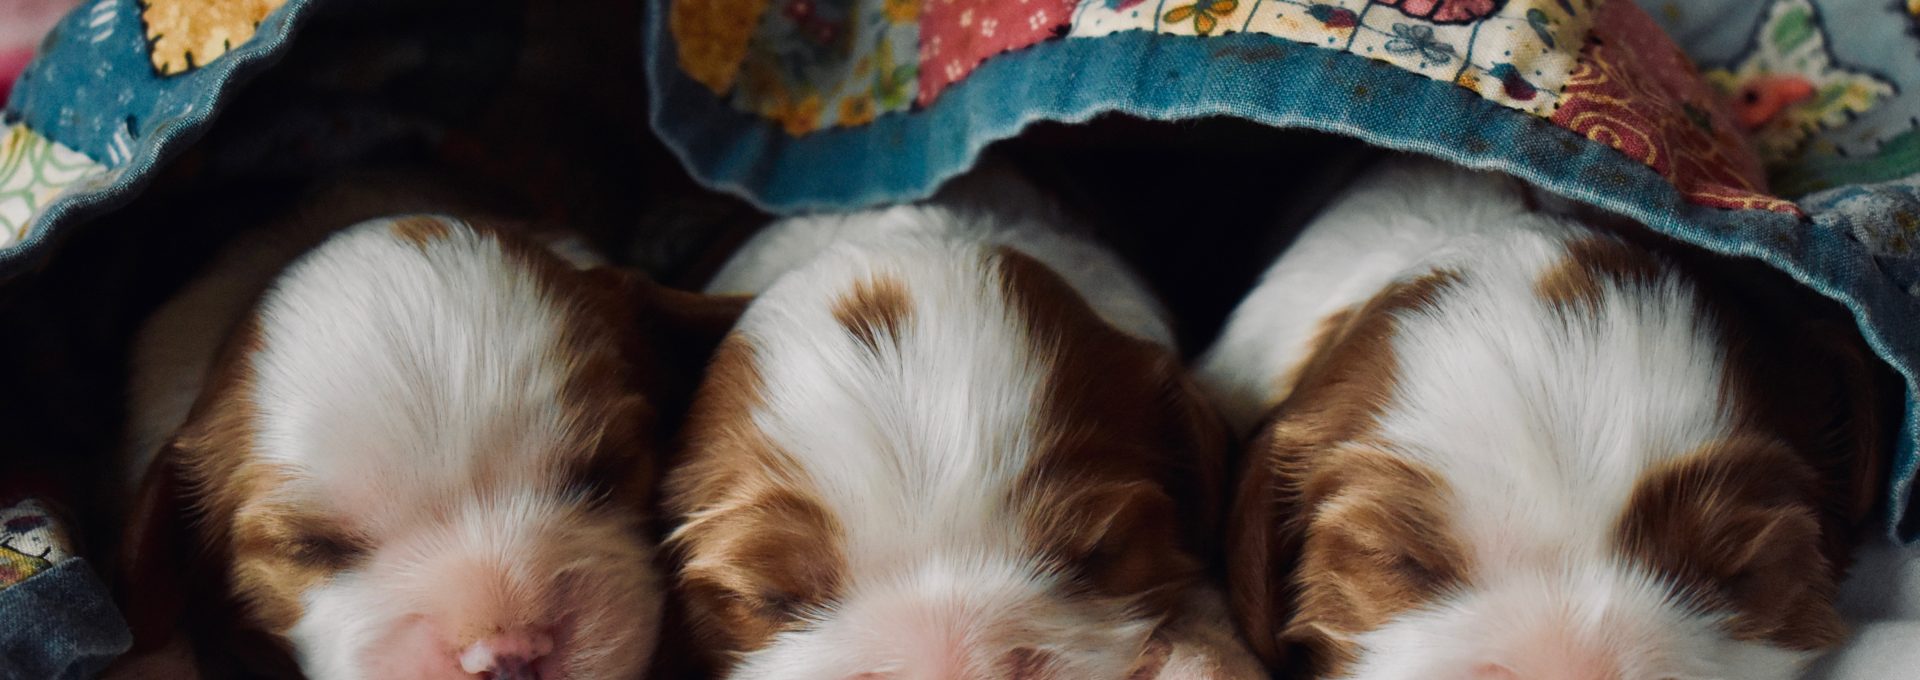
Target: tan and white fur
[
  {"x": 1491, "y": 442},
  {"x": 423, "y": 449},
  {"x": 949, "y": 441}
]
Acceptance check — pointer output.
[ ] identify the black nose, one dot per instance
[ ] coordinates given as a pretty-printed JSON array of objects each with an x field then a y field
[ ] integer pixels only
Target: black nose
[{"x": 512, "y": 668}]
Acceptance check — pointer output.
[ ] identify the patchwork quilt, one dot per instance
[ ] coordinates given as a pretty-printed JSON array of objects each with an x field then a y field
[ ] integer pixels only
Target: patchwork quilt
[
  {"x": 1783, "y": 130},
  {"x": 1786, "y": 130}
]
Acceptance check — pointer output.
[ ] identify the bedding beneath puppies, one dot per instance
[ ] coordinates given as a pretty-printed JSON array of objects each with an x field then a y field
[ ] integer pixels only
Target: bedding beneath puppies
[
  {"x": 1881, "y": 601},
  {"x": 1200, "y": 134}
]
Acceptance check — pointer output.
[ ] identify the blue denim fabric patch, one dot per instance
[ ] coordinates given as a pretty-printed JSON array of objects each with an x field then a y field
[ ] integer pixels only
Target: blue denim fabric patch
[{"x": 61, "y": 625}]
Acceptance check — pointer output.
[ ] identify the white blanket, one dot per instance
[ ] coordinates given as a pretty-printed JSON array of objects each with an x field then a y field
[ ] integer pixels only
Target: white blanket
[{"x": 1881, "y": 598}]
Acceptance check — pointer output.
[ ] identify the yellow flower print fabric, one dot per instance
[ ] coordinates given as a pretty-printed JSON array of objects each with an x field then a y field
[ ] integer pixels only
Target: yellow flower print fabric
[{"x": 187, "y": 34}]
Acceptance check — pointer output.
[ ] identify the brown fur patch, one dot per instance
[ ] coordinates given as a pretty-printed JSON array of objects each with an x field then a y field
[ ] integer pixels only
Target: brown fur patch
[
  {"x": 752, "y": 547},
  {"x": 273, "y": 566},
  {"x": 753, "y": 571},
  {"x": 1330, "y": 329},
  {"x": 420, "y": 230},
  {"x": 1734, "y": 525},
  {"x": 1027, "y": 663},
  {"x": 1285, "y": 604},
  {"x": 1580, "y": 281},
  {"x": 1377, "y": 544},
  {"x": 875, "y": 309},
  {"x": 1129, "y": 492}
]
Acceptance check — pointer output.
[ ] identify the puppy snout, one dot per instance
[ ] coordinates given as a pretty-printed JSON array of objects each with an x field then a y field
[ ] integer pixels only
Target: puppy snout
[{"x": 507, "y": 656}]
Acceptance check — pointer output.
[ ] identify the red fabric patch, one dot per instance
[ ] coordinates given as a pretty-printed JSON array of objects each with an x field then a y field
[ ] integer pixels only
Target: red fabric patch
[
  {"x": 1635, "y": 91},
  {"x": 956, "y": 35}
]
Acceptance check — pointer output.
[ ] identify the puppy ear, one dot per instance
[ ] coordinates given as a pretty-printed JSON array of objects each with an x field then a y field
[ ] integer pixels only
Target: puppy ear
[
  {"x": 160, "y": 562},
  {"x": 1862, "y": 417},
  {"x": 1263, "y": 543},
  {"x": 683, "y": 328},
  {"x": 691, "y": 323},
  {"x": 1207, "y": 445},
  {"x": 172, "y": 583},
  {"x": 1816, "y": 379}
]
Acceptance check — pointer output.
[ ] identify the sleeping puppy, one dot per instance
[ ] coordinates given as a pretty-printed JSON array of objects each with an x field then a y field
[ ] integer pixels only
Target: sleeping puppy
[
  {"x": 1495, "y": 444},
  {"x": 424, "y": 450},
  {"x": 949, "y": 441}
]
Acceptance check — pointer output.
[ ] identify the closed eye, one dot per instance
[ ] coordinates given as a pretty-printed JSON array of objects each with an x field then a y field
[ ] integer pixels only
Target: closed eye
[
  {"x": 780, "y": 606},
  {"x": 327, "y": 549}
]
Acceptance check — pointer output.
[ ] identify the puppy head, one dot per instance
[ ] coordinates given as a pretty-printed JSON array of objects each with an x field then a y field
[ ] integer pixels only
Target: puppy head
[
  {"x": 427, "y": 454},
  {"x": 952, "y": 468},
  {"x": 1666, "y": 493}
]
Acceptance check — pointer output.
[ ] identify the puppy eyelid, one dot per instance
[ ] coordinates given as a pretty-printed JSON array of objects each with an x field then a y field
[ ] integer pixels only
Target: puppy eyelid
[
  {"x": 781, "y": 606},
  {"x": 326, "y": 549}
]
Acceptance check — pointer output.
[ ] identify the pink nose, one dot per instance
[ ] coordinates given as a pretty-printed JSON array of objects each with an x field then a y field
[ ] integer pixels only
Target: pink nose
[{"x": 507, "y": 656}]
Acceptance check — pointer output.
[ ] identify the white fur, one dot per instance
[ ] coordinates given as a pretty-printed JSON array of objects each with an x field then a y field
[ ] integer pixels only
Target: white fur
[
  {"x": 175, "y": 348},
  {"x": 385, "y": 366},
  {"x": 915, "y": 450},
  {"x": 393, "y": 377},
  {"x": 1011, "y": 214},
  {"x": 1540, "y": 423}
]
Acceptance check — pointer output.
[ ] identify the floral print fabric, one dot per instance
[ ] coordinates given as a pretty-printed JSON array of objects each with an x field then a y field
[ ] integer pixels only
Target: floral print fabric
[
  {"x": 1636, "y": 92},
  {"x": 1515, "y": 52}
]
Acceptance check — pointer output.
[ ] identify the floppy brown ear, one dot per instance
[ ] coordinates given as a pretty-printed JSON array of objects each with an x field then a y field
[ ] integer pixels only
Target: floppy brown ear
[
  {"x": 1207, "y": 445},
  {"x": 1863, "y": 396},
  {"x": 691, "y": 321},
  {"x": 161, "y": 567},
  {"x": 1263, "y": 544},
  {"x": 684, "y": 329}
]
